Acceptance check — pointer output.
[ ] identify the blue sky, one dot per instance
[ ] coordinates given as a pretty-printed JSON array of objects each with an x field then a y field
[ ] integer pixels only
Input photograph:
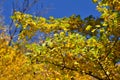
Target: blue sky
[{"x": 58, "y": 8}]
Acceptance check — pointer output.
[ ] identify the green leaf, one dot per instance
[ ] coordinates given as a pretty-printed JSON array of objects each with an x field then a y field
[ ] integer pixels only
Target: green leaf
[{"x": 48, "y": 39}]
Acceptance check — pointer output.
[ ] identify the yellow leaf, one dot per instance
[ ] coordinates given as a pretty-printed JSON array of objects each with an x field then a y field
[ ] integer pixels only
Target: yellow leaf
[
  {"x": 62, "y": 33},
  {"x": 76, "y": 63},
  {"x": 97, "y": 26},
  {"x": 104, "y": 24},
  {"x": 93, "y": 30},
  {"x": 88, "y": 27},
  {"x": 57, "y": 79},
  {"x": 102, "y": 30},
  {"x": 94, "y": 1}
]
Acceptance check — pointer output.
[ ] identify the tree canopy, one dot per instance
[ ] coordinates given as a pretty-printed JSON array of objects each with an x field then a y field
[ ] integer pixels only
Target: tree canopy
[{"x": 73, "y": 48}]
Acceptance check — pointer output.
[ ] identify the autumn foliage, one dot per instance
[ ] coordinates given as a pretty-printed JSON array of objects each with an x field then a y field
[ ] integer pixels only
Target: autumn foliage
[{"x": 73, "y": 48}]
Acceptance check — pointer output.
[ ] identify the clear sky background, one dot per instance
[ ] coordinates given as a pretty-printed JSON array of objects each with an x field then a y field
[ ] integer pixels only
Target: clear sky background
[{"x": 58, "y": 8}]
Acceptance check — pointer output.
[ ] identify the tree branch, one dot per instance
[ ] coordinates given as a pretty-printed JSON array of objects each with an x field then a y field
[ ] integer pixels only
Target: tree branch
[{"x": 74, "y": 69}]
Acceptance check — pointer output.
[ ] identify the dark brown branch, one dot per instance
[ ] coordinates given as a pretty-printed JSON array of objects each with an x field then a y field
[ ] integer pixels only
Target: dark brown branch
[
  {"x": 73, "y": 69},
  {"x": 26, "y": 7},
  {"x": 107, "y": 76},
  {"x": 108, "y": 52}
]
